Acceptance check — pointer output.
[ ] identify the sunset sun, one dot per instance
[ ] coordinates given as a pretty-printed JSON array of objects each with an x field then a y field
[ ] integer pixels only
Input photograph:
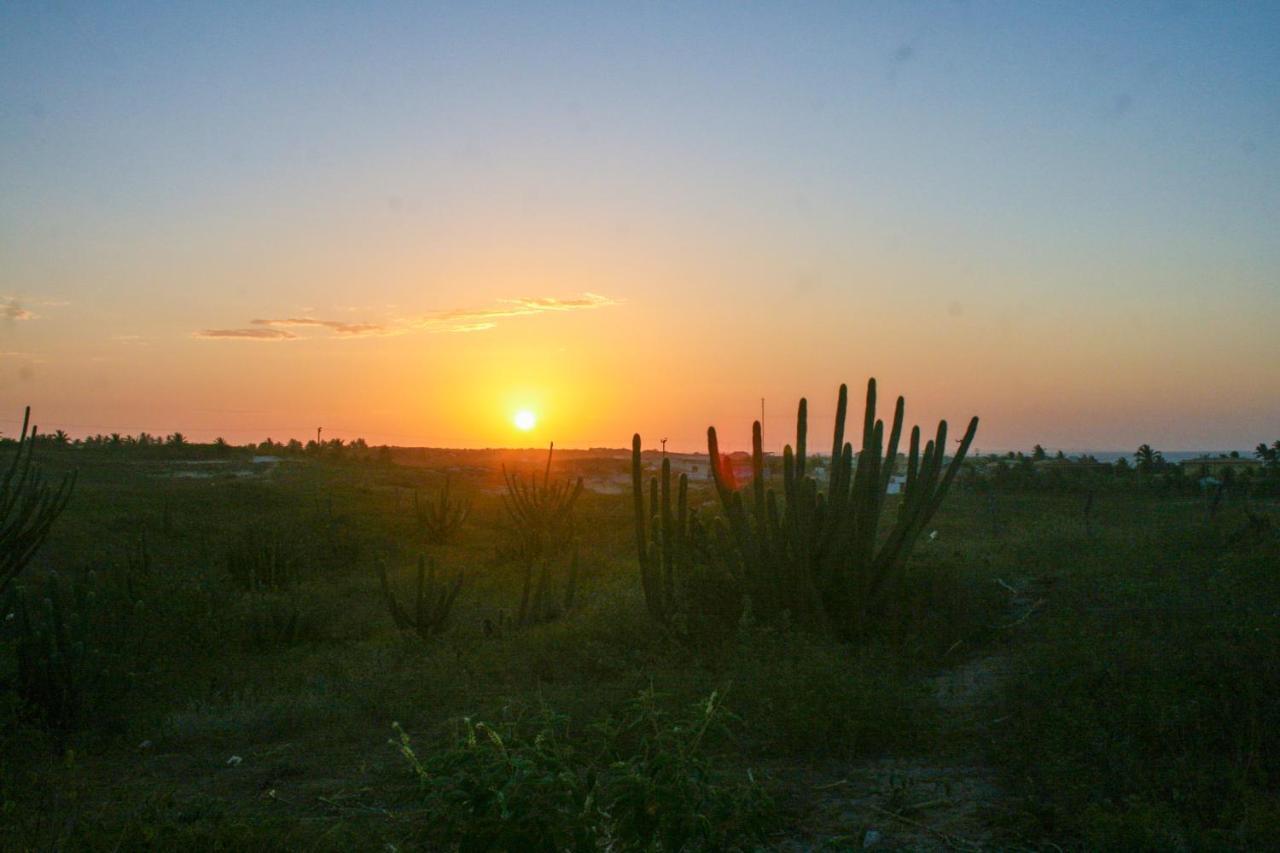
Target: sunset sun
[{"x": 525, "y": 420}]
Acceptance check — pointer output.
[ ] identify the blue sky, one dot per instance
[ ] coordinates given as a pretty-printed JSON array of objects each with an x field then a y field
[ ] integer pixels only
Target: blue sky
[{"x": 1095, "y": 185}]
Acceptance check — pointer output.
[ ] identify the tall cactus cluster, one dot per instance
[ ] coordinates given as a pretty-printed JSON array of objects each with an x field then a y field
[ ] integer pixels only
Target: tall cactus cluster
[
  {"x": 817, "y": 553},
  {"x": 28, "y": 508},
  {"x": 670, "y": 538}
]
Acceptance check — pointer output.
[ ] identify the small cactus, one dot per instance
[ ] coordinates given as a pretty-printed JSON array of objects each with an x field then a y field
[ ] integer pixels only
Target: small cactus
[
  {"x": 442, "y": 518},
  {"x": 259, "y": 561},
  {"x": 432, "y": 601}
]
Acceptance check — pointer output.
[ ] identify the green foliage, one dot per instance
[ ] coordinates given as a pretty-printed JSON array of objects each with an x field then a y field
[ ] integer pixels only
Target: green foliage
[
  {"x": 431, "y": 604},
  {"x": 56, "y": 650},
  {"x": 662, "y": 791},
  {"x": 77, "y": 640},
  {"x": 440, "y": 520},
  {"x": 1147, "y": 459},
  {"x": 28, "y": 508},
  {"x": 816, "y": 554},
  {"x": 641, "y": 782},
  {"x": 271, "y": 619},
  {"x": 1152, "y": 722}
]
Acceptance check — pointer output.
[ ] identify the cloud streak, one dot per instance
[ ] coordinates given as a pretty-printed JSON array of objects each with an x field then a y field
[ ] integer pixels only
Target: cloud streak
[
  {"x": 13, "y": 310},
  {"x": 524, "y": 307},
  {"x": 246, "y": 334},
  {"x": 452, "y": 321},
  {"x": 341, "y": 328}
]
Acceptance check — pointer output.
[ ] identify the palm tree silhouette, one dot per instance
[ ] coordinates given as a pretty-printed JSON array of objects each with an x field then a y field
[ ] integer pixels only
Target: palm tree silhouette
[{"x": 1147, "y": 458}]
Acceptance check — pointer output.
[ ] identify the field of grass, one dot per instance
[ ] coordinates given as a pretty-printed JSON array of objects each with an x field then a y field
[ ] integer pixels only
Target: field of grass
[{"x": 1033, "y": 684}]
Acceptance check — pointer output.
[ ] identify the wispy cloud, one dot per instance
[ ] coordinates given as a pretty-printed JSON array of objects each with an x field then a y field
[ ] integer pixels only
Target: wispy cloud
[
  {"x": 13, "y": 310},
  {"x": 12, "y": 307},
  {"x": 342, "y": 328},
  {"x": 463, "y": 328},
  {"x": 452, "y": 321},
  {"x": 525, "y": 306},
  {"x": 25, "y": 357},
  {"x": 246, "y": 334}
]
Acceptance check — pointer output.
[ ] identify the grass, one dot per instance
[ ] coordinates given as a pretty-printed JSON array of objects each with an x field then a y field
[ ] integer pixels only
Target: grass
[{"x": 1127, "y": 675}]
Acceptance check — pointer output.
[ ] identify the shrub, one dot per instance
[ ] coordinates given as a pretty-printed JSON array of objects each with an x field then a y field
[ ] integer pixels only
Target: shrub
[{"x": 641, "y": 782}]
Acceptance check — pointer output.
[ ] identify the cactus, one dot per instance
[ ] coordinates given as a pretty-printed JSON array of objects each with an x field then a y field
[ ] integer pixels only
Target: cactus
[
  {"x": 432, "y": 601},
  {"x": 260, "y": 562},
  {"x": 54, "y": 650},
  {"x": 28, "y": 508},
  {"x": 441, "y": 519},
  {"x": 818, "y": 555},
  {"x": 541, "y": 513},
  {"x": 669, "y": 541}
]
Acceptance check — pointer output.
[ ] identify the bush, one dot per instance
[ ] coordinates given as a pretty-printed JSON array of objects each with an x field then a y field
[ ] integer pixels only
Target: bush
[
  {"x": 1153, "y": 722},
  {"x": 641, "y": 782}
]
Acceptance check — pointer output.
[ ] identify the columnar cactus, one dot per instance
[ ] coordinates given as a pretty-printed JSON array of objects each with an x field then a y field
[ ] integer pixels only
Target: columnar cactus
[
  {"x": 820, "y": 555},
  {"x": 817, "y": 554},
  {"x": 665, "y": 537},
  {"x": 28, "y": 508}
]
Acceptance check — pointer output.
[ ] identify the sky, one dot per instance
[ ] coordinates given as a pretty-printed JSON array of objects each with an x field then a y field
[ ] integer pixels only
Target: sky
[{"x": 407, "y": 223}]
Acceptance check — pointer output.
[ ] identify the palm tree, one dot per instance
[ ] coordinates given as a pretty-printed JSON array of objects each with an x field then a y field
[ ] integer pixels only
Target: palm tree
[
  {"x": 60, "y": 438},
  {"x": 177, "y": 439},
  {"x": 1037, "y": 453},
  {"x": 1148, "y": 458}
]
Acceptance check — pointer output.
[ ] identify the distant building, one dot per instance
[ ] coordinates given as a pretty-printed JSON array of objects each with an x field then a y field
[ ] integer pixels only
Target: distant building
[{"x": 1219, "y": 465}]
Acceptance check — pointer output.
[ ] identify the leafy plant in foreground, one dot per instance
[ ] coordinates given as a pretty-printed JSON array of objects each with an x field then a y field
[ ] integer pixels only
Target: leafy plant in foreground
[{"x": 642, "y": 782}]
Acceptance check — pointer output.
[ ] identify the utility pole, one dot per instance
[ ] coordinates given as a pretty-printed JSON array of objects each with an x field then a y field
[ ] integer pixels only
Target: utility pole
[
  {"x": 318, "y": 429},
  {"x": 664, "y": 447}
]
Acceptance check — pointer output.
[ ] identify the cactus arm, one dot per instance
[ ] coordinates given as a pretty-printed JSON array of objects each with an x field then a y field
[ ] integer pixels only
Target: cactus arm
[{"x": 802, "y": 435}]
